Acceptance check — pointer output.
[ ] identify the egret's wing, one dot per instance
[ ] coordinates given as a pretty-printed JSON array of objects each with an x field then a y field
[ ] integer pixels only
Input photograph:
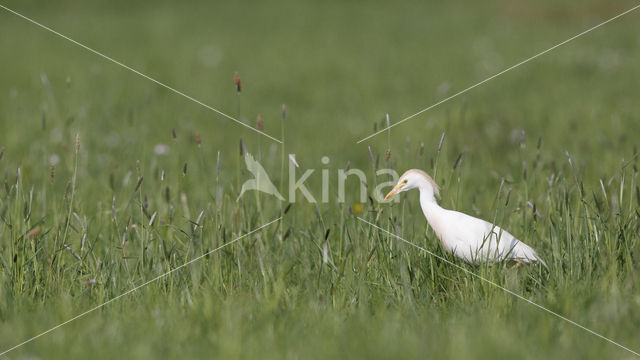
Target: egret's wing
[
  {"x": 483, "y": 241},
  {"x": 506, "y": 246},
  {"x": 467, "y": 237}
]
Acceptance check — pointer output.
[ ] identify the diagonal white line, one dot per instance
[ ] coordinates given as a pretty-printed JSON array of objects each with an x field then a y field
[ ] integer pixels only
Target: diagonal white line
[
  {"x": 139, "y": 286},
  {"x": 498, "y": 74},
  {"x": 139, "y": 73},
  {"x": 503, "y": 288}
]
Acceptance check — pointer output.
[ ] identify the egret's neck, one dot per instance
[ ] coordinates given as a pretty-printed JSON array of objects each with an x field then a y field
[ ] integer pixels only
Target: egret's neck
[
  {"x": 428, "y": 203},
  {"x": 436, "y": 216}
]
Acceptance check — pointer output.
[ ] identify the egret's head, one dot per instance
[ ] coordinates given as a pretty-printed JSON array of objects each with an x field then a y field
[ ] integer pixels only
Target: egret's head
[{"x": 415, "y": 179}]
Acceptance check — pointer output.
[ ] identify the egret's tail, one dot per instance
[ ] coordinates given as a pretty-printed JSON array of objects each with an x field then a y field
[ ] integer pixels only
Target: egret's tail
[{"x": 525, "y": 253}]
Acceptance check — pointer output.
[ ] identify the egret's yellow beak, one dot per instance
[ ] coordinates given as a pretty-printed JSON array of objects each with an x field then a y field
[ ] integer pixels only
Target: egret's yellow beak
[{"x": 394, "y": 191}]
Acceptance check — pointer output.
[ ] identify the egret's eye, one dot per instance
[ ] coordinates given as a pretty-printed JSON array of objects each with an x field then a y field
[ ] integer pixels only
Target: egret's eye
[{"x": 405, "y": 181}]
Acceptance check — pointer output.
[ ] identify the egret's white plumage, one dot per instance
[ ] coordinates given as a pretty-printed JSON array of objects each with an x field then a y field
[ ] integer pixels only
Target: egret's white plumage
[{"x": 471, "y": 239}]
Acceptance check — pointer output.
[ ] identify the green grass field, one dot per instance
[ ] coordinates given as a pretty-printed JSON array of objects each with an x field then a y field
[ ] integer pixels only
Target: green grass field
[{"x": 108, "y": 180}]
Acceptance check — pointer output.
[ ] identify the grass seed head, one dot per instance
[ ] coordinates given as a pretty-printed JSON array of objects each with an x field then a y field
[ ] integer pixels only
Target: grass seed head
[
  {"x": 238, "y": 82},
  {"x": 457, "y": 162},
  {"x": 539, "y": 142},
  {"x": 153, "y": 218},
  {"x": 139, "y": 182},
  {"x": 370, "y": 155},
  {"x": 259, "y": 123},
  {"x": 243, "y": 148},
  {"x": 33, "y": 232}
]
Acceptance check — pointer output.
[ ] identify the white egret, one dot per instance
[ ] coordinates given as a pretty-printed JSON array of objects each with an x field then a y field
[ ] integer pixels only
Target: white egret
[{"x": 469, "y": 238}]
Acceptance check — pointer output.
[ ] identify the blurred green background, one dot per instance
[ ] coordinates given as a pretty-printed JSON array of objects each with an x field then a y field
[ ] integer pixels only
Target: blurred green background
[{"x": 339, "y": 66}]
